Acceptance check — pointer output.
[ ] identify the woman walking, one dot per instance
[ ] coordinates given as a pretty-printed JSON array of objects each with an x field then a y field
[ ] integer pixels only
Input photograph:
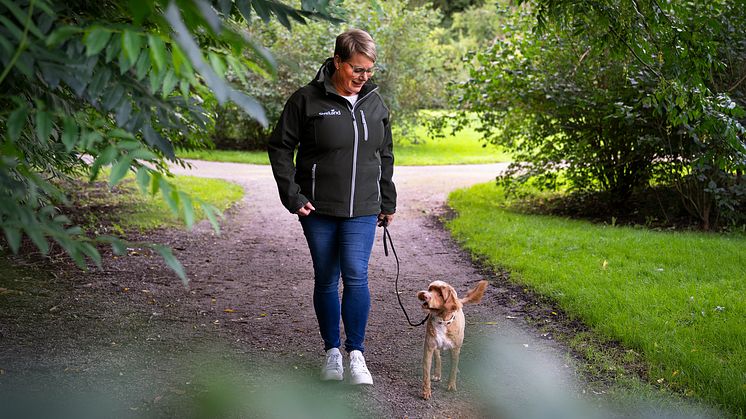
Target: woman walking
[{"x": 340, "y": 186}]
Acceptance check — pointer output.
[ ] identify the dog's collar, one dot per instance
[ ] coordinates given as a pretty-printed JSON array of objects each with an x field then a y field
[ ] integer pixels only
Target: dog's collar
[{"x": 445, "y": 322}]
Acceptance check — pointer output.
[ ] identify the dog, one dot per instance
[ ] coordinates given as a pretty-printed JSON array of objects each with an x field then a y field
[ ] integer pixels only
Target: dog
[{"x": 445, "y": 328}]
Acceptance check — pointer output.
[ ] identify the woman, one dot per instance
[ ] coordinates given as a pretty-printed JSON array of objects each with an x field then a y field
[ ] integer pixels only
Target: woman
[{"x": 340, "y": 186}]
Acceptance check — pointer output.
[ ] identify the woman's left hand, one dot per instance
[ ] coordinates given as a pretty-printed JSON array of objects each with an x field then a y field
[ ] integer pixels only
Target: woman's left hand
[{"x": 384, "y": 220}]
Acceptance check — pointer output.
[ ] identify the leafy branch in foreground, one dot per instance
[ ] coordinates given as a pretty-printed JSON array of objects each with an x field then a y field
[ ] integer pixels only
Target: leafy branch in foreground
[{"x": 90, "y": 85}]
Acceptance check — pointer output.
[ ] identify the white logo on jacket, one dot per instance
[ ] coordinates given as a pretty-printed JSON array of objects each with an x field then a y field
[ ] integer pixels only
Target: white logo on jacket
[{"x": 331, "y": 112}]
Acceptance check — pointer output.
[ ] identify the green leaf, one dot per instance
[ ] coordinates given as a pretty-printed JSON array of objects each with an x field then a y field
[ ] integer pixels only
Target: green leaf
[
  {"x": 143, "y": 179},
  {"x": 119, "y": 171},
  {"x": 70, "y": 133},
  {"x": 13, "y": 237},
  {"x": 43, "y": 125},
  {"x": 169, "y": 82},
  {"x": 61, "y": 35},
  {"x": 238, "y": 68},
  {"x": 16, "y": 122},
  {"x": 143, "y": 65},
  {"x": 140, "y": 10},
  {"x": 156, "y": 78},
  {"x": 22, "y": 16},
  {"x": 118, "y": 246},
  {"x": 188, "y": 207},
  {"x": 96, "y": 39},
  {"x": 34, "y": 232},
  {"x": 122, "y": 134},
  {"x": 91, "y": 252},
  {"x": 208, "y": 13},
  {"x": 143, "y": 154},
  {"x": 212, "y": 214},
  {"x": 106, "y": 157},
  {"x": 155, "y": 183},
  {"x": 244, "y": 6},
  {"x": 250, "y": 105},
  {"x": 131, "y": 44},
  {"x": 217, "y": 64},
  {"x": 75, "y": 254},
  {"x": 11, "y": 27},
  {"x": 179, "y": 61},
  {"x": 158, "y": 53},
  {"x": 184, "y": 87},
  {"x": 172, "y": 262}
]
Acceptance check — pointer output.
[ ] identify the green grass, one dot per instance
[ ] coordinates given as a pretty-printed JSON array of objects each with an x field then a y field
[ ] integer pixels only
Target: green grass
[
  {"x": 144, "y": 212},
  {"x": 678, "y": 298},
  {"x": 462, "y": 148}
]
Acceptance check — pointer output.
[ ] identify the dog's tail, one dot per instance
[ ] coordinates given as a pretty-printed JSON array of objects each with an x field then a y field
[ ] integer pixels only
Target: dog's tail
[{"x": 475, "y": 294}]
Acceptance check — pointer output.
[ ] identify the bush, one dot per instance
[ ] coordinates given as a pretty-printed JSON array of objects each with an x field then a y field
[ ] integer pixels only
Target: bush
[{"x": 615, "y": 98}]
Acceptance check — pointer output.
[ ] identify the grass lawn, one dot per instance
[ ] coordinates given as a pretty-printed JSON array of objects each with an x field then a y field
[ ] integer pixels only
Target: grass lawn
[
  {"x": 142, "y": 212},
  {"x": 678, "y": 298},
  {"x": 462, "y": 148}
]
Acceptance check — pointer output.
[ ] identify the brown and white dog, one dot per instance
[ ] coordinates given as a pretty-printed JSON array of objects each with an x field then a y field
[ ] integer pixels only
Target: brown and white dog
[{"x": 445, "y": 328}]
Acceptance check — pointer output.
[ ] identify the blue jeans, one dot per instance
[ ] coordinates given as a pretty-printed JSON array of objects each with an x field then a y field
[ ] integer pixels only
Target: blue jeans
[{"x": 340, "y": 246}]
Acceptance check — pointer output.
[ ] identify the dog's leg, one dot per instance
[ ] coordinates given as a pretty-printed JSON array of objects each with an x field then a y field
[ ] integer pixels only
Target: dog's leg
[
  {"x": 437, "y": 374},
  {"x": 427, "y": 361},
  {"x": 455, "y": 352}
]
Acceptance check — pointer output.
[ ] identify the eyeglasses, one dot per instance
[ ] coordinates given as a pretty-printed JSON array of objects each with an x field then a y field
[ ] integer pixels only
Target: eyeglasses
[{"x": 358, "y": 71}]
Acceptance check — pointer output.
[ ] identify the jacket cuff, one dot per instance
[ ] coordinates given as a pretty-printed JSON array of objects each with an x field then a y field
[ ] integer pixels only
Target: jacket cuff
[{"x": 300, "y": 201}]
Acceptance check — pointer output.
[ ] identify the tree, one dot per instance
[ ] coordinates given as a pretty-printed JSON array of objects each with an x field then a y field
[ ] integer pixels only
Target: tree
[
  {"x": 88, "y": 85},
  {"x": 614, "y": 95},
  {"x": 413, "y": 61}
]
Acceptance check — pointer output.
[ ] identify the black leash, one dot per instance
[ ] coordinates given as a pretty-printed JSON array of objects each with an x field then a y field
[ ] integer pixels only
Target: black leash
[{"x": 386, "y": 235}]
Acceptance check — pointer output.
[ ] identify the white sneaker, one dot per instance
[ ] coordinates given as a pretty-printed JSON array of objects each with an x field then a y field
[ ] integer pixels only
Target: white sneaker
[
  {"x": 332, "y": 369},
  {"x": 359, "y": 373}
]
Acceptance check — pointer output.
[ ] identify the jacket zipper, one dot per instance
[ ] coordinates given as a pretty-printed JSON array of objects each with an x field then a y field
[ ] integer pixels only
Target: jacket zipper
[
  {"x": 313, "y": 182},
  {"x": 379, "y": 182},
  {"x": 354, "y": 150}
]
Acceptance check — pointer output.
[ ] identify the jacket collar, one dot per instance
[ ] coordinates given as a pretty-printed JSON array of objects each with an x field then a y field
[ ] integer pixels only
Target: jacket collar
[{"x": 323, "y": 80}]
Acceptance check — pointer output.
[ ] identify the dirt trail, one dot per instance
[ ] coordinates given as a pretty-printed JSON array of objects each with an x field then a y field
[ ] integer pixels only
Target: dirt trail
[{"x": 242, "y": 340}]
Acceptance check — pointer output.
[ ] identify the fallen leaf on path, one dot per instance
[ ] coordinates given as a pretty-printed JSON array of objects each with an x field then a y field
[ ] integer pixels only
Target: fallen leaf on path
[{"x": 229, "y": 310}]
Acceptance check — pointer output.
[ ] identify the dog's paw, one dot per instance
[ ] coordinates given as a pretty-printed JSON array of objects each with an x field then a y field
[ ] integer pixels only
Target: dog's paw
[
  {"x": 451, "y": 386},
  {"x": 426, "y": 393},
  {"x": 436, "y": 377}
]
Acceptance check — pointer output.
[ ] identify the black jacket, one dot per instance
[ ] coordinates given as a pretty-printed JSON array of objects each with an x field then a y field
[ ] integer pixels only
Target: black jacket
[{"x": 345, "y": 160}]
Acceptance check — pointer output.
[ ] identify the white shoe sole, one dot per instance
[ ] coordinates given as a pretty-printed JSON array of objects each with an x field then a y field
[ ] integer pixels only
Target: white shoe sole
[{"x": 357, "y": 381}]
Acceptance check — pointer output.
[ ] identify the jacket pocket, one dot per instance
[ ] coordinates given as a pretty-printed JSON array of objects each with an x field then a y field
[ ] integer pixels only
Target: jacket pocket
[
  {"x": 378, "y": 184},
  {"x": 328, "y": 184},
  {"x": 365, "y": 125},
  {"x": 313, "y": 181}
]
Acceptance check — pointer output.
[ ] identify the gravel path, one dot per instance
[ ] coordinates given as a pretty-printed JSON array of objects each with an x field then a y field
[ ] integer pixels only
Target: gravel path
[{"x": 242, "y": 339}]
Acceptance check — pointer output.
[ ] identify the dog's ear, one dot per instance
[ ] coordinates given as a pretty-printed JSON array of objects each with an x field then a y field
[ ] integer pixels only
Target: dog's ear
[
  {"x": 445, "y": 292},
  {"x": 450, "y": 302}
]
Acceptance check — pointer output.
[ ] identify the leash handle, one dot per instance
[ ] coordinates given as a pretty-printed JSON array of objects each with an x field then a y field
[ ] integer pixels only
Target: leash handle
[{"x": 387, "y": 237}]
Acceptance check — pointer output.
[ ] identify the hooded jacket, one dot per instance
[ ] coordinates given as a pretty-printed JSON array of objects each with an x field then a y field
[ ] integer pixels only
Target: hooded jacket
[{"x": 345, "y": 162}]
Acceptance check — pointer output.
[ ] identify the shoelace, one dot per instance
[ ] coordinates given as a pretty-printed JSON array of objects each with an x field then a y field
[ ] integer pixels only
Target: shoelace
[
  {"x": 358, "y": 366},
  {"x": 333, "y": 361}
]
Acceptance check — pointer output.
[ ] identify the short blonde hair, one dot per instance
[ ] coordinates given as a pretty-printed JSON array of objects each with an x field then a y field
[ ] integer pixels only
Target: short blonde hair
[{"x": 355, "y": 41}]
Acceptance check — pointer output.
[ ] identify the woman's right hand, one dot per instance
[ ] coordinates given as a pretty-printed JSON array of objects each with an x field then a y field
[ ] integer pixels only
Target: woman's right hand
[{"x": 305, "y": 210}]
